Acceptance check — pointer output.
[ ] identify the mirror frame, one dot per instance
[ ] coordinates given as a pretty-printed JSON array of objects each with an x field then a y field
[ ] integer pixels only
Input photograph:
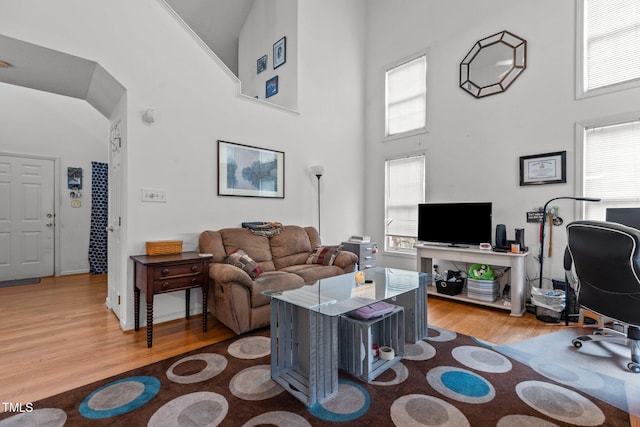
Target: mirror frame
[{"x": 519, "y": 48}]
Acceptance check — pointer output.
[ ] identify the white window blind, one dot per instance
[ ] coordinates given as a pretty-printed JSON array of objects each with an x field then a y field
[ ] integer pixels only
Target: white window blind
[
  {"x": 611, "y": 167},
  {"x": 612, "y": 42},
  {"x": 406, "y": 97},
  {"x": 405, "y": 189}
]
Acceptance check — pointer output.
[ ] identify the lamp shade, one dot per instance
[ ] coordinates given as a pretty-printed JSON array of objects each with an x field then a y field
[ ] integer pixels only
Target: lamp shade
[{"x": 317, "y": 170}]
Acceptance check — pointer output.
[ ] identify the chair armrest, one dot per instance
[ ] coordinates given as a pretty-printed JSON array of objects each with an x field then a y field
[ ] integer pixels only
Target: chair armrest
[{"x": 227, "y": 273}]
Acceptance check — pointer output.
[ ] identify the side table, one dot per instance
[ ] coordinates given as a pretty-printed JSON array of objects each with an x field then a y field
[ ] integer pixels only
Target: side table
[{"x": 160, "y": 274}]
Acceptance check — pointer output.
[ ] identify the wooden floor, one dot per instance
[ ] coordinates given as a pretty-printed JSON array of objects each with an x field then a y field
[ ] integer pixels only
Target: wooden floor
[{"x": 58, "y": 335}]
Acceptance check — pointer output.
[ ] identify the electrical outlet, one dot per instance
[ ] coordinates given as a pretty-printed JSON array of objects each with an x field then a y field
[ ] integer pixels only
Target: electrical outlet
[{"x": 151, "y": 195}]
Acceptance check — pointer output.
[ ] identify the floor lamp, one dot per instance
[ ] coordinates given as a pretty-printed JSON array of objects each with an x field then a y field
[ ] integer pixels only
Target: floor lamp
[
  {"x": 318, "y": 171},
  {"x": 544, "y": 220}
]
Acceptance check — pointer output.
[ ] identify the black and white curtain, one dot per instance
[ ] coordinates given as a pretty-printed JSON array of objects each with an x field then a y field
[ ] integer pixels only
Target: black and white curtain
[{"x": 99, "y": 218}]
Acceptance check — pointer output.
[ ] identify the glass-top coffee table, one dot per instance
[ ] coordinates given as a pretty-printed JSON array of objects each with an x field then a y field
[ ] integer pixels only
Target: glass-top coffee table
[{"x": 304, "y": 325}]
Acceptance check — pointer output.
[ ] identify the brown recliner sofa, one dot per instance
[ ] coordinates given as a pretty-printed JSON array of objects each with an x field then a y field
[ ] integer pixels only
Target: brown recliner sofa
[{"x": 236, "y": 299}]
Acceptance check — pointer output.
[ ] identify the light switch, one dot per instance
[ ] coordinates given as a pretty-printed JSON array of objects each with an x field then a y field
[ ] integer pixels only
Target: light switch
[{"x": 151, "y": 195}]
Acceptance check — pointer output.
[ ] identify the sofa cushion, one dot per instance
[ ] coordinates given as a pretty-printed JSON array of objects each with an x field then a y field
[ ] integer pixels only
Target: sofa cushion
[
  {"x": 271, "y": 280},
  {"x": 240, "y": 259},
  {"x": 257, "y": 247},
  {"x": 324, "y": 255},
  {"x": 311, "y": 273},
  {"x": 291, "y": 247}
]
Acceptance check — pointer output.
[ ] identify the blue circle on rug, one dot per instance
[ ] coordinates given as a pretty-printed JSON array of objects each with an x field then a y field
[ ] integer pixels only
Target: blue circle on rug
[
  {"x": 460, "y": 384},
  {"x": 143, "y": 390},
  {"x": 465, "y": 383},
  {"x": 320, "y": 411}
]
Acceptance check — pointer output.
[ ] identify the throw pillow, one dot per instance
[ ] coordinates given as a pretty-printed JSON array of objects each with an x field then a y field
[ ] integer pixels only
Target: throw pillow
[
  {"x": 240, "y": 259},
  {"x": 324, "y": 255}
]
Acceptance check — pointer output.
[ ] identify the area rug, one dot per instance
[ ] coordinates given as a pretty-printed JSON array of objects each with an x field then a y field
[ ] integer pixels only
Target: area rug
[
  {"x": 445, "y": 380},
  {"x": 597, "y": 368},
  {"x": 18, "y": 282}
]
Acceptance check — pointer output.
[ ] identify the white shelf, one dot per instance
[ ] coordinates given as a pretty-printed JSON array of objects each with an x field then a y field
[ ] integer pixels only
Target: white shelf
[{"x": 499, "y": 303}]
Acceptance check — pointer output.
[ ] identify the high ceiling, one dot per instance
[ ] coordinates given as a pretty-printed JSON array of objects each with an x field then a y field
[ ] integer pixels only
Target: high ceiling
[{"x": 217, "y": 23}]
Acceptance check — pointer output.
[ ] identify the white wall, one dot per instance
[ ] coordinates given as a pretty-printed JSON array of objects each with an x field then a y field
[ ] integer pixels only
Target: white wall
[
  {"x": 196, "y": 104},
  {"x": 44, "y": 124},
  {"x": 267, "y": 22},
  {"x": 473, "y": 145}
]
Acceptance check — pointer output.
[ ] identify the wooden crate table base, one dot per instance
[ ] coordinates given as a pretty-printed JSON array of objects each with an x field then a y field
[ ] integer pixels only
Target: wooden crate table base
[{"x": 169, "y": 273}]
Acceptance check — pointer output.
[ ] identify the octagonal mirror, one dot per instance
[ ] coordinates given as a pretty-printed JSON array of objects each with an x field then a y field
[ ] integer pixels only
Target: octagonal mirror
[{"x": 492, "y": 64}]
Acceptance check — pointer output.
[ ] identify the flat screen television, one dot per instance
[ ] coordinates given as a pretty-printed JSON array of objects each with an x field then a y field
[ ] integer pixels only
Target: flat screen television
[
  {"x": 625, "y": 216},
  {"x": 455, "y": 224}
]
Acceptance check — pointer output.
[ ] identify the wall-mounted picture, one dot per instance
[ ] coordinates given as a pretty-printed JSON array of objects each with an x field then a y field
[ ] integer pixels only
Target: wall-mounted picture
[
  {"x": 279, "y": 52},
  {"x": 249, "y": 171},
  {"x": 74, "y": 178},
  {"x": 261, "y": 64},
  {"x": 271, "y": 87},
  {"x": 547, "y": 168}
]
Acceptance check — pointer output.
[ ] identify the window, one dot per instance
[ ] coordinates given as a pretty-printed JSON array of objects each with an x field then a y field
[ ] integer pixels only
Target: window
[
  {"x": 611, "y": 167},
  {"x": 406, "y": 97},
  {"x": 610, "y": 52},
  {"x": 404, "y": 190}
]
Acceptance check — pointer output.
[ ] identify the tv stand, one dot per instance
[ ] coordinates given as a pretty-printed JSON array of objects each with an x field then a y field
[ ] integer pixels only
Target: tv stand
[{"x": 426, "y": 255}]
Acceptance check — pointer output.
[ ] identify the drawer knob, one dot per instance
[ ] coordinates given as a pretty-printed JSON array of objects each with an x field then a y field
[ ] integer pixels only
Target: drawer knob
[
  {"x": 194, "y": 281},
  {"x": 165, "y": 271},
  {"x": 194, "y": 268},
  {"x": 165, "y": 285}
]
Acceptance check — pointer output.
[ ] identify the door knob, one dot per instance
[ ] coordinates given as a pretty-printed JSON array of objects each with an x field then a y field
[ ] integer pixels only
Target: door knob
[
  {"x": 49, "y": 224},
  {"x": 110, "y": 228},
  {"x": 49, "y": 215}
]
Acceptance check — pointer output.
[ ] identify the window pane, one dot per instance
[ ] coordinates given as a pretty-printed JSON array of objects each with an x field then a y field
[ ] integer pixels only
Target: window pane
[
  {"x": 612, "y": 42},
  {"x": 612, "y": 167},
  {"x": 406, "y": 96},
  {"x": 404, "y": 191}
]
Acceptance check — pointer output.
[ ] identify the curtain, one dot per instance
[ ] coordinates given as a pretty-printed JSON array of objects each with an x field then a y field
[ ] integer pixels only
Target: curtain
[{"x": 99, "y": 218}]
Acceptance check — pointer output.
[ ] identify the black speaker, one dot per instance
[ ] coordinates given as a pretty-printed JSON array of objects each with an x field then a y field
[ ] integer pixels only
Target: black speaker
[
  {"x": 501, "y": 236},
  {"x": 520, "y": 238}
]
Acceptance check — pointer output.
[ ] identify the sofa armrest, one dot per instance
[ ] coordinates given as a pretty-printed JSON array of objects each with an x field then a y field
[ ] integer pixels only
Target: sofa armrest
[
  {"x": 227, "y": 273},
  {"x": 346, "y": 260}
]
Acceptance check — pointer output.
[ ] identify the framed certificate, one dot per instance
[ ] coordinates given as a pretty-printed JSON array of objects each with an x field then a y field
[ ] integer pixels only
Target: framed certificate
[{"x": 547, "y": 168}]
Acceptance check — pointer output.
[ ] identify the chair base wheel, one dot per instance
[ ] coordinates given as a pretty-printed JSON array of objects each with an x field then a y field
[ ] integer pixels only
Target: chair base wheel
[
  {"x": 634, "y": 367},
  {"x": 577, "y": 343}
]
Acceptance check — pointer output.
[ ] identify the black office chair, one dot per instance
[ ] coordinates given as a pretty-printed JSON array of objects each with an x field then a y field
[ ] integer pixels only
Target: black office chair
[{"x": 606, "y": 260}]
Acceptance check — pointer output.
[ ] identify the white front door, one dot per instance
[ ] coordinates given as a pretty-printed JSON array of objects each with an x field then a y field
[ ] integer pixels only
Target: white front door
[{"x": 27, "y": 217}]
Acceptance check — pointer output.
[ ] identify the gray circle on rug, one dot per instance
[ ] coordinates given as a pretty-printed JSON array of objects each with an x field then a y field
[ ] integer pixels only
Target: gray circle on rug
[
  {"x": 215, "y": 364},
  {"x": 461, "y": 384},
  {"x": 203, "y": 408},
  {"x": 443, "y": 335},
  {"x": 560, "y": 403},
  {"x": 348, "y": 399},
  {"x": 278, "y": 418},
  {"x": 401, "y": 371},
  {"x": 481, "y": 359},
  {"x": 250, "y": 347},
  {"x": 50, "y": 417},
  {"x": 254, "y": 383},
  {"x": 116, "y": 395},
  {"x": 523, "y": 421},
  {"x": 415, "y": 410},
  {"x": 567, "y": 374},
  {"x": 419, "y": 351}
]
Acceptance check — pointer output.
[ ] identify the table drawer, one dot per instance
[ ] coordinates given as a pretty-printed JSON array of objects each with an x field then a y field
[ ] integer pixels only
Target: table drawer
[
  {"x": 168, "y": 271},
  {"x": 174, "y": 283}
]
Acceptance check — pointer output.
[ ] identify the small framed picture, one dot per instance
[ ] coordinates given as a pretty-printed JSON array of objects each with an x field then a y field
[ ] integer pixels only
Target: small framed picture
[
  {"x": 261, "y": 64},
  {"x": 271, "y": 87},
  {"x": 279, "y": 52},
  {"x": 547, "y": 168}
]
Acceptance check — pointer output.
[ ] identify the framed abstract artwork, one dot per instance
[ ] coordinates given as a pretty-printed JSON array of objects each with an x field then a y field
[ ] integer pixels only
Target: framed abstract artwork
[
  {"x": 279, "y": 52},
  {"x": 271, "y": 87},
  {"x": 248, "y": 171},
  {"x": 261, "y": 64}
]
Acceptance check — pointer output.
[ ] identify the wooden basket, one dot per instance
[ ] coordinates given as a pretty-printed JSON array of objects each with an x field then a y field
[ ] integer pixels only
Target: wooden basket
[{"x": 164, "y": 247}]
